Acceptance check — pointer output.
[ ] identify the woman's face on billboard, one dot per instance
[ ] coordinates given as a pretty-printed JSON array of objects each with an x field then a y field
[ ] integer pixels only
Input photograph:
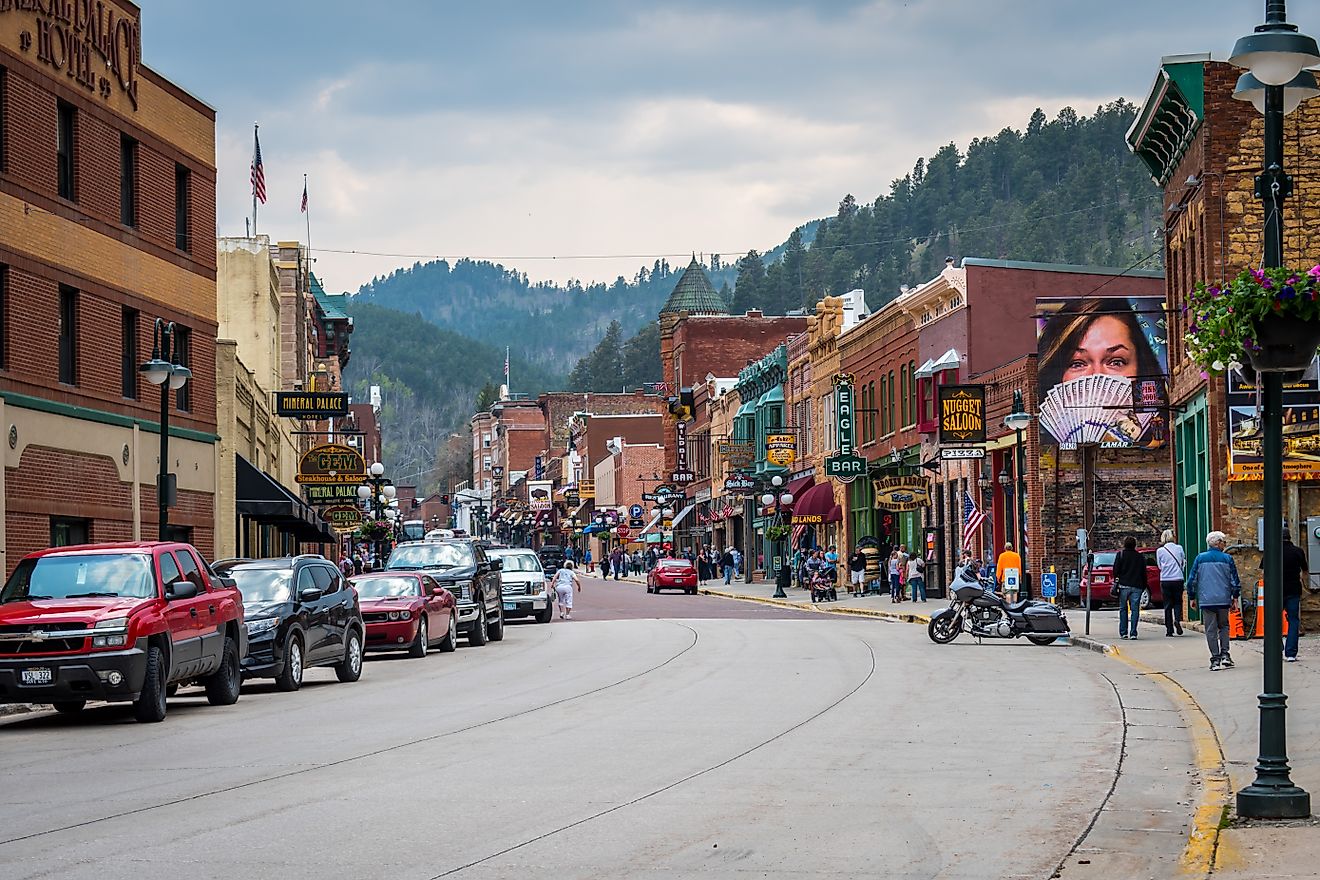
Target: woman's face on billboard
[{"x": 1107, "y": 346}]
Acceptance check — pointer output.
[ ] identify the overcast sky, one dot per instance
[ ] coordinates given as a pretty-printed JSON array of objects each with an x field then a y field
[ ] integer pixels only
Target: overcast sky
[{"x": 511, "y": 129}]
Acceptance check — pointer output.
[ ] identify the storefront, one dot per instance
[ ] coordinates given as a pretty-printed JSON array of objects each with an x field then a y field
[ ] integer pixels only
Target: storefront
[{"x": 817, "y": 518}]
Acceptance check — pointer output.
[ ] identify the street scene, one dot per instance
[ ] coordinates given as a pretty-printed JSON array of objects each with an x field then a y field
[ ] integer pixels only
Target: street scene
[{"x": 406, "y": 478}]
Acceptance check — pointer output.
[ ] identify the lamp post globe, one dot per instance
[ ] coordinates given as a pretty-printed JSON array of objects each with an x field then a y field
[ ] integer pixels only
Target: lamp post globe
[
  {"x": 179, "y": 377},
  {"x": 389, "y": 491},
  {"x": 1275, "y": 54},
  {"x": 156, "y": 371},
  {"x": 786, "y": 499},
  {"x": 377, "y": 469},
  {"x": 767, "y": 499},
  {"x": 364, "y": 492}
]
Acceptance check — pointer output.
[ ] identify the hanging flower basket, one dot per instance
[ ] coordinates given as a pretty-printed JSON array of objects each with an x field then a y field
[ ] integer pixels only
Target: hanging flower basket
[
  {"x": 1270, "y": 318},
  {"x": 377, "y": 530},
  {"x": 778, "y": 533}
]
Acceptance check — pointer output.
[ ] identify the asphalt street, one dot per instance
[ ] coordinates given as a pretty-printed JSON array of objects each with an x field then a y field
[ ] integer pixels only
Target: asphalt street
[{"x": 652, "y": 736}]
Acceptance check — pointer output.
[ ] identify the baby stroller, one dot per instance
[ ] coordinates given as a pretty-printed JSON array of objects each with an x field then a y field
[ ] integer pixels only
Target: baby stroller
[{"x": 822, "y": 588}]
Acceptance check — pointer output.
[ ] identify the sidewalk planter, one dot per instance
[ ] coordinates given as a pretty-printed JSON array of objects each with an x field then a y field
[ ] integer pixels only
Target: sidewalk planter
[{"x": 1269, "y": 318}]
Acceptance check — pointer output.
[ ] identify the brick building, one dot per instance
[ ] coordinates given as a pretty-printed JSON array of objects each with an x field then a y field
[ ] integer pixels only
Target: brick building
[
  {"x": 1204, "y": 149},
  {"x": 107, "y": 223}
]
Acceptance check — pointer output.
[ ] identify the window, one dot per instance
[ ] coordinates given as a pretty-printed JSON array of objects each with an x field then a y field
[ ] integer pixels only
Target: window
[
  {"x": 183, "y": 357},
  {"x": 4, "y": 317},
  {"x": 68, "y": 335},
  {"x": 893, "y": 425},
  {"x": 866, "y": 404},
  {"x": 305, "y": 580},
  {"x": 485, "y": 440},
  {"x": 884, "y": 420},
  {"x": 325, "y": 579},
  {"x": 912, "y": 393},
  {"x": 4, "y": 118},
  {"x": 903, "y": 396},
  {"x": 179, "y": 534},
  {"x": 128, "y": 153},
  {"x": 64, "y": 148},
  {"x": 189, "y": 567},
  {"x": 128, "y": 354},
  {"x": 182, "y": 203},
  {"x": 66, "y": 531},
  {"x": 169, "y": 569}
]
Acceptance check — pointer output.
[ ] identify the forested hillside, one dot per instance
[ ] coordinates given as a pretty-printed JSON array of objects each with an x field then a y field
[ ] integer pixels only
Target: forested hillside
[{"x": 430, "y": 380}]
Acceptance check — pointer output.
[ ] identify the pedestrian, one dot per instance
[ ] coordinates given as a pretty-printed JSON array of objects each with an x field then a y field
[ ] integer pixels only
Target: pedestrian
[
  {"x": 586, "y": 558},
  {"x": 726, "y": 565},
  {"x": 1172, "y": 561},
  {"x": 916, "y": 575},
  {"x": 1009, "y": 563},
  {"x": 346, "y": 566},
  {"x": 856, "y": 572},
  {"x": 357, "y": 563},
  {"x": 565, "y": 581},
  {"x": 895, "y": 583},
  {"x": 1130, "y": 581},
  {"x": 703, "y": 566},
  {"x": 737, "y": 562},
  {"x": 616, "y": 559},
  {"x": 832, "y": 564},
  {"x": 1214, "y": 587},
  {"x": 1295, "y": 573}
]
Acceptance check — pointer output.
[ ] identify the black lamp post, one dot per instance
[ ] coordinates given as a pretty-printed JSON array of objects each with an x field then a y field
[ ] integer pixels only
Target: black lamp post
[
  {"x": 780, "y": 500},
  {"x": 163, "y": 371},
  {"x": 1276, "y": 55},
  {"x": 1018, "y": 420},
  {"x": 379, "y": 492}
]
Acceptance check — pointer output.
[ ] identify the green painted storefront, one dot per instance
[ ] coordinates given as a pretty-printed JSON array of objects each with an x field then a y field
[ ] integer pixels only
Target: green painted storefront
[{"x": 1191, "y": 477}]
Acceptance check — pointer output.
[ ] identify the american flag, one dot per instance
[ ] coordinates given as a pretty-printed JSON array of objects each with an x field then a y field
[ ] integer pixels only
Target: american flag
[
  {"x": 798, "y": 531},
  {"x": 972, "y": 519},
  {"x": 259, "y": 171},
  {"x": 506, "y": 365},
  {"x": 304, "y": 201}
]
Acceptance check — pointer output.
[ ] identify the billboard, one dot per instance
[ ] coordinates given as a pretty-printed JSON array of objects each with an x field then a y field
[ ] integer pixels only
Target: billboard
[
  {"x": 1301, "y": 429},
  {"x": 1103, "y": 366},
  {"x": 962, "y": 414}
]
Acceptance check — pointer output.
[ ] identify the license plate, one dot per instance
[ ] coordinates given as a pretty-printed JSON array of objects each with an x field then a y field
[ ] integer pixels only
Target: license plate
[
  {"x": 510, "y": 606},
  {"x": 37, "y": 676}
]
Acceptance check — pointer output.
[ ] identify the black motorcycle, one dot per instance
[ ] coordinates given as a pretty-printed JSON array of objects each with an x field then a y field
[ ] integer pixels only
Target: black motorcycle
[{"x": 977, "y": 610}]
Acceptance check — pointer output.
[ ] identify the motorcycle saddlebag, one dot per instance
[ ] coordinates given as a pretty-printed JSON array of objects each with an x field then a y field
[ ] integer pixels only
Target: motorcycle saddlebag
[{"x": 1045, "y": 620}]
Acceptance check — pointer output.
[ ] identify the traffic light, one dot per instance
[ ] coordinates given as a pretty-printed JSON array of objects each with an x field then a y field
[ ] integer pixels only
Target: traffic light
[{"x": 444, "y": 499}]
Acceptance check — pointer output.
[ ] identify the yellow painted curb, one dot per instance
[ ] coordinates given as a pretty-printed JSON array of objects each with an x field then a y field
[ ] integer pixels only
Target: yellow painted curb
[
  {"x": 1205, "y": 845},
  {"x": 820, "y": 608}
]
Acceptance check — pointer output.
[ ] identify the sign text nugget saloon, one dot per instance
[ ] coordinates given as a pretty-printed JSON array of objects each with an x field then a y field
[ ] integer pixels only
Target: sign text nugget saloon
[
  {"x": 962, "y": 414},
  {"x": 331, "y": 463}
]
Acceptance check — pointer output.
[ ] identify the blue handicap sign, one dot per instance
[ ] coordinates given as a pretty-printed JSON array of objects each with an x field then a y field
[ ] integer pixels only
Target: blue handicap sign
[{"x": 1049, "y": 585}]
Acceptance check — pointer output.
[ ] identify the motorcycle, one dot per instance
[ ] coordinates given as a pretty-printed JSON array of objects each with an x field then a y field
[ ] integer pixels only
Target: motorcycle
[{"x": 977, "y": 610}]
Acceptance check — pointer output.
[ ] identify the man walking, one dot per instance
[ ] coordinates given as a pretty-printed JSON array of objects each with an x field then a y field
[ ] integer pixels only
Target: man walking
[
  {"x": 1213, "y": 586},
  {"x": 1173, "y": 564},
  {"x": 1130, "y": 577},
  {"x": 1295, "y": 571},
  {"x": 856, "y": 572},
  {"x": 726, "y": 565}
]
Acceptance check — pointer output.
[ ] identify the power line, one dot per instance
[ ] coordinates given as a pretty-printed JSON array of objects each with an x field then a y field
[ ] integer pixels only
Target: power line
[{"x": 679, "y": 254}]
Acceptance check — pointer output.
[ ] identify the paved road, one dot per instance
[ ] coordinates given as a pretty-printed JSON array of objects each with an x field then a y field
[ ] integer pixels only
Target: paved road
[{"x": 725, "y": 740}]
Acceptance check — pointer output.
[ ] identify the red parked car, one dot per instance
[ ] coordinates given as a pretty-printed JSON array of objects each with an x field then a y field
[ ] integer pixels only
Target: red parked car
[
  {"x": 1102, "y": 570},
  {"x": 406, "y": 610},
  {"x": 119, "y": 622},
  {"x": 672, "y": 574}
]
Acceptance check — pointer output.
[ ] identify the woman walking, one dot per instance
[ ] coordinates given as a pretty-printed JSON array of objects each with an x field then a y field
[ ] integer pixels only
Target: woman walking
[
  {"x": 565, "y": 581},
  {"x": 1172, "y": 561},
  {"x": 1130, "y": 581},
  {"x": 916, "y": 575},
  {"x": 895, "y": 583}
]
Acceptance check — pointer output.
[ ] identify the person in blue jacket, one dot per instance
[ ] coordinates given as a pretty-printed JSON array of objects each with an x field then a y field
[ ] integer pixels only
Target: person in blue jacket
[{"x": 1214, "y": 587}]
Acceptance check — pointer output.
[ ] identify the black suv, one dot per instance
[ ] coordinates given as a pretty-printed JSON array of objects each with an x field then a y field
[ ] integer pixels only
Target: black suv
[
  {"x": 463, "y": 568},
  {"x": 300, "y": 612}
]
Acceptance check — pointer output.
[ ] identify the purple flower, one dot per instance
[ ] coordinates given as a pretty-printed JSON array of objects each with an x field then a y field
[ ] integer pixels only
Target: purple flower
[
  {"x": 1230, "y": 310},
  {"x": 1314, "y": 271},
  {"x": 1293, "y": 280},
  {"x": 1258, "y": 274},
  {"x": 1223, "y": 332},
  {"x": 1267, "y": 284},
  {"x": 1215, "y": 291},
  {"x": 1205, "y": 375}
]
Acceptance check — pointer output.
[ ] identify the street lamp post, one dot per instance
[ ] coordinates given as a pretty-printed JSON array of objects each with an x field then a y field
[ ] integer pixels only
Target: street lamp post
[
  {"x": 1018, "y": 420},
  {"x": 379, "y": 493},
  {"x": 163, "y": 371},
  {"x": 1276, "y": 56},
  {"x": 780, "y": 501}
]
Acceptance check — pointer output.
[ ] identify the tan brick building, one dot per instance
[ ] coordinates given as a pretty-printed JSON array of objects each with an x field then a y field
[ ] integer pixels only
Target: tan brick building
[{"x": 107, "y": 223}]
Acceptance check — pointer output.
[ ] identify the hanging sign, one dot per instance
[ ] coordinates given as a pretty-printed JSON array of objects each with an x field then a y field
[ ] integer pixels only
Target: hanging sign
[
  {"x": 681, "y": 474},
  {"x": 311, "y": 404},
  {"x": 329, "y": 493},
  {"x": 847, "y": 465},
  {"x": 780, "y": 449},
  {"x": 586, "y": 489},
  {"x": 738, "y": 454},
  {"x": 955, "y": 453},
  {"x": 331, "y": 463},
  {"x": 342, "y": 517},
  {"x": 962, "y": 414},
  {"x": 901, "y": 493},
  {"x": 739, "y": 484},
  {"x": 539, "y": 494}
]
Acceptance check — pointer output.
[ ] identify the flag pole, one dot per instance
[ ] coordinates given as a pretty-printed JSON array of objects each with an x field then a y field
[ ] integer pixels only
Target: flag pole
[
  {"x": 307, "y": 210},
  {"x": 255, "y": 126}
]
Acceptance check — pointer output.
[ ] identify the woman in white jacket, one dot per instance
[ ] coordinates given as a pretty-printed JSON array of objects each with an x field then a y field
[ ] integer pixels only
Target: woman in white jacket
[{"x": 1172, "y": 561}]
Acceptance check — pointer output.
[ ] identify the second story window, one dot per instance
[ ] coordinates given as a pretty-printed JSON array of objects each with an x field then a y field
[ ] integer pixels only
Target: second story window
[
  {"x": 128, "y": 354},
  {"x": 128, "y": 154},
  {"x": 68, "y": 347},
  {"x": 183, "y": 357},
  {"x": 65, "y": 147},
  {"x": 182, "y": 204}
]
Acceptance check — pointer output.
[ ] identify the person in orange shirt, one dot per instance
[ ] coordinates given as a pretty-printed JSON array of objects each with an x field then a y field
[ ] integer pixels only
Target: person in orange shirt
[{"x": 1008, "y": 559}]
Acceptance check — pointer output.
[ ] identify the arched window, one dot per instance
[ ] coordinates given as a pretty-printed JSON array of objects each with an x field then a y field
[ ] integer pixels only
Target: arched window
[
  {"x": 902, "y": 400},
  {"x": 912, "y": 392},
  {"x": 884, "y": 419},
  {"x": 893, "y": 426}
]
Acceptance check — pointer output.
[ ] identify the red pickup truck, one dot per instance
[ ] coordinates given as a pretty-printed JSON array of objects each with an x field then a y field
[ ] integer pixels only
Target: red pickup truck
[{"x": 119, "y": 622}]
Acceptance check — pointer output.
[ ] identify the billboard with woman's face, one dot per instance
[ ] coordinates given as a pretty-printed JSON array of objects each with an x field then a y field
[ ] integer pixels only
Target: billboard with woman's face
[{"x": 1103, "y": 365}]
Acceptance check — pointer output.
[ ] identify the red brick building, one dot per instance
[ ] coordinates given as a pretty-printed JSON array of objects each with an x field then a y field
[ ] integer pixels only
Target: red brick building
[{"x": 107, "y": 223}]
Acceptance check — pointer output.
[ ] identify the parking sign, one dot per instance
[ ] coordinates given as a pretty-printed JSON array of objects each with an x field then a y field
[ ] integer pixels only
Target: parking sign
[{"x": 1049, "y": 585}]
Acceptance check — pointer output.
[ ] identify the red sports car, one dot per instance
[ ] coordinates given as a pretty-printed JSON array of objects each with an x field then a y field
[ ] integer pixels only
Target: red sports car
[
  {"x": 672, "y": 574},
  {"x": 406, "y": 610}
]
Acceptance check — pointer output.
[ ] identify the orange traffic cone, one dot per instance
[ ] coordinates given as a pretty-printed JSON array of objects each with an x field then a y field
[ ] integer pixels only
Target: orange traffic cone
[{"x": 1260, "y": 609}]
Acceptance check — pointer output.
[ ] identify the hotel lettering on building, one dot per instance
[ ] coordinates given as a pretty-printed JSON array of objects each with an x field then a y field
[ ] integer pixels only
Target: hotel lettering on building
[{"x": 107, "y": 222}]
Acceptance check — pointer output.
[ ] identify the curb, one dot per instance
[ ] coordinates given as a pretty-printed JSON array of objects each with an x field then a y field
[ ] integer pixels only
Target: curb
[{"x": 902, "y": 617}]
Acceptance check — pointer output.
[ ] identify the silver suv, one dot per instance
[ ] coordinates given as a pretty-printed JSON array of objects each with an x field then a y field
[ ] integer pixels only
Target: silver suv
[{"x": 523, "y": 585}]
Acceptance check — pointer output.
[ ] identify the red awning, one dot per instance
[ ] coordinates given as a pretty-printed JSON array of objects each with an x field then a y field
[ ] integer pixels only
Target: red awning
[
  {"x": 836, "y": 514},
  {"x": 800, "y": 485},
  {"x": 817, "y": 503}
]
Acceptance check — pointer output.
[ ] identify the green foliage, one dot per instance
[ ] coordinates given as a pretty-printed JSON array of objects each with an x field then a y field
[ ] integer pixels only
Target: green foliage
[
  {"x": 1223, "y": 320},
  {"x": 486, "y": 397}
]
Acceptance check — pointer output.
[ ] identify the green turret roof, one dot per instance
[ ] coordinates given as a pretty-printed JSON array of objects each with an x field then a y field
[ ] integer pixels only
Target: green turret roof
[
  {"x": 331, "y": 305},
  {"x": 694, "y": 293}
]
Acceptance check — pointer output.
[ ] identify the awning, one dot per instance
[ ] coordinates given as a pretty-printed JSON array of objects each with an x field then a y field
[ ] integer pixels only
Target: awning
[
  {"x": 815, "y": 505},
  {"x": 947, "y": 361},
  {"x": 836, "y": 514},
  {"x": 798, "y": 486},
  {"x": 593, "y": 528},
  {"x": 261, "y": 498},
  {"x": 682, "y": 513},
  {"x": 774, "y": 395}
]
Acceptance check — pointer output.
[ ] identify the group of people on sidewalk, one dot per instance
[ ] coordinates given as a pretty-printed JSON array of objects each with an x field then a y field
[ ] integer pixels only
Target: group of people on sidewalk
[{"x": 1212, "y": 585}]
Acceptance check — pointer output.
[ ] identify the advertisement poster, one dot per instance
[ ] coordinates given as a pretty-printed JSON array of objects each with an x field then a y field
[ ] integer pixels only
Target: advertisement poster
[
  {"x": 540, "y": 494},
  {"x": 1103, "y": 370},
  {"x": 1301, "y": 429}
]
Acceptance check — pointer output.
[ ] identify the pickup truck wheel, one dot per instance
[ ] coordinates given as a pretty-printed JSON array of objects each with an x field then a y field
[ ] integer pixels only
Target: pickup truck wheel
[
  {"x": 291, "y": 676},
  {"x": 150, "y": 704},
  {"x": 478, "y": 634},
  {"x": 450, "y": 642},
  {"x": 422, "y": 642},
  {"x": 496, "y": 630},
  {"x": 548, "y": 614},
  {"x": 350, "y": 668},
  {"x": 223, "y": 685},
  {"x": 69, "y": 707}
]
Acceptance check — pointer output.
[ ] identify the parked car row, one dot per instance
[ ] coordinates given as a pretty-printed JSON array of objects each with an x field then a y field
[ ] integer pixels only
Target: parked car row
[
  {"x": 1099, "y": 573},
  {"x": 133, "y": 622}
]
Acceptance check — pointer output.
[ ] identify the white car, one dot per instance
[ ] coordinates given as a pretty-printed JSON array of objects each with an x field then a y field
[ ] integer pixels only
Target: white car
[{"x": 525, "y": 590}]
